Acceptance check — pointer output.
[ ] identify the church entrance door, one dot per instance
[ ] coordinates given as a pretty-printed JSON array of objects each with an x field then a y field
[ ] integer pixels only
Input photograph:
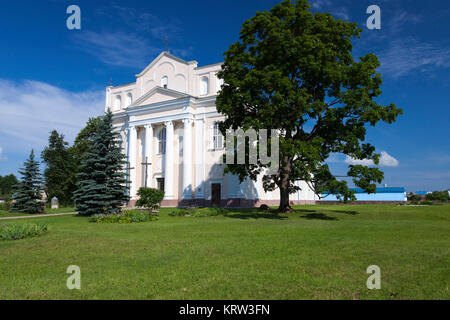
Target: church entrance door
[{"x": 215, "y": 194}]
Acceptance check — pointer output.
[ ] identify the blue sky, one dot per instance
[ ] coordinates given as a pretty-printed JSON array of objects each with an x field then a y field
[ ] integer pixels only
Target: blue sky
[{"x": 54, "y": 78}]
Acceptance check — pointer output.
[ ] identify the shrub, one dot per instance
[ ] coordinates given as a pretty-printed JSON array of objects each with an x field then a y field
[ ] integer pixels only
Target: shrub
[
  {"x": 128, "y": 216},
  {"x": 20, "y": 231},
  {"x": 426, "y": 202},
  {"x": 196, "y": 212},
  {"x": 149, "y": 198}
]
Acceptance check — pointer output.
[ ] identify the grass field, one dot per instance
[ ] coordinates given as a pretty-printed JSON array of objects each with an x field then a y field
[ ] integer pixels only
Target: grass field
[{"x": 318, "y": 252}]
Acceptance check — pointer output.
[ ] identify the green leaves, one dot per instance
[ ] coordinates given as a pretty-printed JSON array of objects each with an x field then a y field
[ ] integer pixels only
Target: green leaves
[{"x": 293, "y": 70}]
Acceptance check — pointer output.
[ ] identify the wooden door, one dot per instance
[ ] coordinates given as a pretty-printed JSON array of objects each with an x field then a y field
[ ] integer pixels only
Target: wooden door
[{"x": 215, "y": 194}]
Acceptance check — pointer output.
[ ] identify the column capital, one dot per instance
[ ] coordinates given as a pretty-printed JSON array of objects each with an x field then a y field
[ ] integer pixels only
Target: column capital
[
  {"x": 168, "y": 123},
  {"x": 148, "y": 125}
]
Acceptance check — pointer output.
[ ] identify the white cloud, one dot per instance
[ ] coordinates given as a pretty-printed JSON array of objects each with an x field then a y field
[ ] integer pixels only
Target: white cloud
[
  {"x": 117, "y": 48},
  {"x": 339, "y": 11},
  {"x": 29, "y": 110},
  {"x": 133, "y": 49},
  {"x": 2, "y": 157},
  {"x": 386, "y": 160},
  {"x": 404, "y": 56}
]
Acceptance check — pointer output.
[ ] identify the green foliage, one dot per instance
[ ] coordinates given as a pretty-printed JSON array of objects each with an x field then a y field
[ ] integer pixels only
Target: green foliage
[
  {"x": 7, "y": 184},
  {"x": 149, "y": 198},
  {"x": 196, "y": 212},
  {"x": 85, "y": 140},
  {"x": 60, "y": 169},
  {"x": 102, "y": 185},
  {"x": 27, "y": 196},
  {"x": 437, "y": 196},
  {"x": 20, "y": 231},
  {"x": 426, "y": 202},
  {"x": 129, "y": 216},
  {"x": 293, "y": 70},
  {"x": 413, "y": 197}
]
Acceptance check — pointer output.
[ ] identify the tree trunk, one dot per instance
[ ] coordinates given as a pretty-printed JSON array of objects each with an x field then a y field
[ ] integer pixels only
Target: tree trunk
[
  {"x": 284, "y": 186},
  {"x": 284, "y": 200}
]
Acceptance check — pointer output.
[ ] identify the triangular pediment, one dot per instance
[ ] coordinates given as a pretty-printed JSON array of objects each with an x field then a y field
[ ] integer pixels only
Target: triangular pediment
[{"x": 158, "y": 94}]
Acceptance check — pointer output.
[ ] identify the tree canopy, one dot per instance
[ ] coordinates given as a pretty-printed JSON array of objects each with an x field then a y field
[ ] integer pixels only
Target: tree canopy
[{"x": 293, "y": 70}]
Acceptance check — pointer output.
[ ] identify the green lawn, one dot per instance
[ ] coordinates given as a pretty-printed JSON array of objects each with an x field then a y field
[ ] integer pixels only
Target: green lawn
[
  {"x": 4, "y": 213},
  {"x": 318, "y": 252}
]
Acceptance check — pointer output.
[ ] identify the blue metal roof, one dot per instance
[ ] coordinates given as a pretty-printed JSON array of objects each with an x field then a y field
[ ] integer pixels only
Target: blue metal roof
[
  {"x": 382, "y": 190},
  {"x": 421, "y": 192}
]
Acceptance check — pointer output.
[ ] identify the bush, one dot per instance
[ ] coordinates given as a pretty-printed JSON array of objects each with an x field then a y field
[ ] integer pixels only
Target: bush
[
  {"x": 426, "y": 202},
  {"x": 196, "y": 212},
  {"x": 437, "y": 196},
  {"x": 128, "y": 216},
  {"x": 20, "y": 231},
  {"x": 149, "y": 198}
]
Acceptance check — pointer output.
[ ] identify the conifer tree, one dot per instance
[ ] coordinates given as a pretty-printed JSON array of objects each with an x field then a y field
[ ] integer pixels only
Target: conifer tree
[
  {"x": 27, "y": 196},
  {"x": 102, "y": 185}
]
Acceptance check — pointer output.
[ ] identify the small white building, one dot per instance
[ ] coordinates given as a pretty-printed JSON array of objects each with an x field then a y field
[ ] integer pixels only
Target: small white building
[{"x": 167, "y": 119}]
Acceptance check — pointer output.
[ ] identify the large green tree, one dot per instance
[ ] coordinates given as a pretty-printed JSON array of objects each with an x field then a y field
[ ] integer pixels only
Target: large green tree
[
  {"x": 7, "y": 184},
  {"x": 84, "y": 139},
  {"x": 102, "y": 184},
  {"x": 293, "y": 71},
  {"x": 60, "y": 169},
  {"x": 27, "y": 196}
]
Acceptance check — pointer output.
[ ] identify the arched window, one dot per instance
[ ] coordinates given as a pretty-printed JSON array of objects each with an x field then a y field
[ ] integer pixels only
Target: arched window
[
  {"x": 117, "y": 102},
  {"x": 219, "y": 83},
  {"x": 217, "y": 137},
  {"x": 164, "y": 82},
  {"x": 204, "y": 86},
  {"x": 162, "y": 141},
  {"x": 129, "y": 99}
]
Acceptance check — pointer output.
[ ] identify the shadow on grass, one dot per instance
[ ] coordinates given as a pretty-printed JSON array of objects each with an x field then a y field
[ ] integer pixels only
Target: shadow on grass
[
  {"x": 321, "y": 214},
  {"x": 318, "y": 216},
  {"x": 255, "y": 215}
]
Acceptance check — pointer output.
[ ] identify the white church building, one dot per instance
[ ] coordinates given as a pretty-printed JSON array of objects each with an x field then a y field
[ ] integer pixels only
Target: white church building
[{"x": 168, "y": 121}]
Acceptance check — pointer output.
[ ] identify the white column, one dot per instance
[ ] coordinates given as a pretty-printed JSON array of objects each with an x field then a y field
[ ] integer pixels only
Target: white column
[
  {"x": 132, "y": 137},
  {"x": 168, "y": 167},
  {"x": 187, "y": 159},
  {"x": 148, "y": 152},
  {"x": 199, "y": 158}
]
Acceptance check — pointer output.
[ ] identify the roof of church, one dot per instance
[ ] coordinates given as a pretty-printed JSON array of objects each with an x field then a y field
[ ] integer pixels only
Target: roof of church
[{"x": 165, "y": 54}]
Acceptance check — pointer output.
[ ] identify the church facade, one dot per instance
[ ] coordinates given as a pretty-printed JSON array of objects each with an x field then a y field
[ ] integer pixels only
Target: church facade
[{"x": 168, "y": 124}]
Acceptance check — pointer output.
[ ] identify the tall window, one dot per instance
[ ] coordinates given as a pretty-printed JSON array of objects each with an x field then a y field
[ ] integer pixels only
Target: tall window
[
  {"x": 117, "y": 103},
  {"x": 129, "y": 99},
  {"x": 162, "y": 141},
  {"x": 204, "y": 86},
  {"x": 217, "y": 137},
  {"x": 164, "y": 82},
  {"x": 160, "y": 183}
]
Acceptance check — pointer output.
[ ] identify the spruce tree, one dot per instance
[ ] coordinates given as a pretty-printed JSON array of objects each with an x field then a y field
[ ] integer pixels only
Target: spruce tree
[
  {"x": 27, "y": 196},
  {"x": 102, "y": 185}
]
